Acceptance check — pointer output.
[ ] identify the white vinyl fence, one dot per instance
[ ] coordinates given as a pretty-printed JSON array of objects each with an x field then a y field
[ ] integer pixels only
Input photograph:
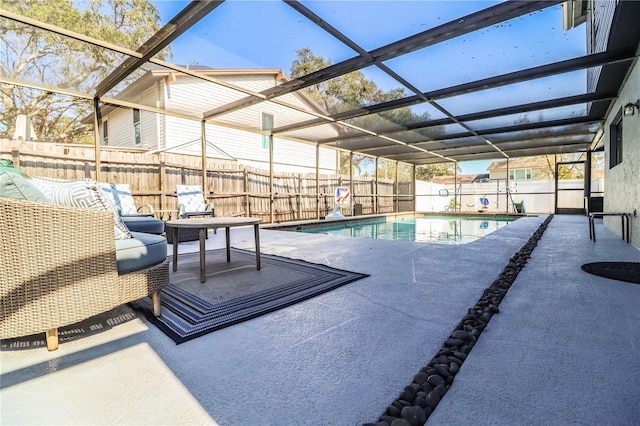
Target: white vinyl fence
[{"x": 537, "y": 195}]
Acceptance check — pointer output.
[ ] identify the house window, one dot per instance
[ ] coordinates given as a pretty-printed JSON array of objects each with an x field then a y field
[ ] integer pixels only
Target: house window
[
  {"x": 267, "y": 124},
  {"x": 520, "y": 174},
  {"x": 615, "y": 142},
  {"x": 136, "y": 127},
  {"x": 105, "y": 132}
]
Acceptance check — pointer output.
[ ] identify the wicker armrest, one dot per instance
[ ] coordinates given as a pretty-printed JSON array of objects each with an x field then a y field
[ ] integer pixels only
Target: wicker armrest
[{"x": 57, "y": 266}]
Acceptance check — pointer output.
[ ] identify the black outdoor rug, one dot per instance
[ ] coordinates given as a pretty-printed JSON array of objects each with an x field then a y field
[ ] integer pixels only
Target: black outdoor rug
[
  {"x": 621, "y": 271},
  {"x": 236, "y": 291}
]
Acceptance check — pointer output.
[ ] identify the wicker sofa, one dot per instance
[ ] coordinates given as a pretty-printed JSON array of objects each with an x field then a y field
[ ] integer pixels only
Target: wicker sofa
[{"x": 58, "y": 266}]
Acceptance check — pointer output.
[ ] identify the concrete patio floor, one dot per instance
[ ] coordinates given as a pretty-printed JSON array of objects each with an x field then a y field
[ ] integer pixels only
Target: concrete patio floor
[{"x": 563, "y": 349}]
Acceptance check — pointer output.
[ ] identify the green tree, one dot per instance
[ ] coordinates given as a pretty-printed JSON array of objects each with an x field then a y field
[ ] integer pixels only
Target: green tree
[
  {"x": 33, "y": 55},
  {"x": 427, "y": 172},
  {"x": 342, "y": 93},
  {"x": 565, "y": 171},
  {"x": 361, "y": 164},
  {"x": 352, "y": 91}
]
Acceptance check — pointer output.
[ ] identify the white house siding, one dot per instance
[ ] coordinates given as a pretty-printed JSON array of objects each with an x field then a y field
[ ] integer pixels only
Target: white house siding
[
  {"x": 120, "y": 126},
  {"x": 189, "y": 95},
  {"x": 192, "y": 96},
  {"x": 253, "y": 82},
  {"x": 246, "y": 147},
  {"x": 498, "y": 174},
  {"x": 195, "y": 96},
  {"x": 178, "y": 131},
  {"x": 149, "y": 121},
  {"x": 622, "y": 191},
  {"x": 282, "y": 115},
  {"x": 162, "y": 132}
]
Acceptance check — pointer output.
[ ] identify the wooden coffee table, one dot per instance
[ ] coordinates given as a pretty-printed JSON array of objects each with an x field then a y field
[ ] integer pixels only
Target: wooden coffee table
[{"x": 204, "y": 223}]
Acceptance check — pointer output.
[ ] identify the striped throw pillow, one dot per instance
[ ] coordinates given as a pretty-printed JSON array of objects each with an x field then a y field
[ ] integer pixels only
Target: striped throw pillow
[{"x": 80, "y": 193}]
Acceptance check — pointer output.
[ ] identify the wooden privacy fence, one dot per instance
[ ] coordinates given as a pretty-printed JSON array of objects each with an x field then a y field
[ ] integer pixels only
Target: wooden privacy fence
[{"x": 235, "y": 190}]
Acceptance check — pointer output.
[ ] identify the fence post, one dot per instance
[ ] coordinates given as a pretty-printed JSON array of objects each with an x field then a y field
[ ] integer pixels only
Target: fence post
[
  {"x": 375, "y": 193},
  {"x": 245, "y": 189},
  {"x": 299, "y": 197},
  {"x": 372, "y": 183},
  {"x": 396, "y": 187},
  {"x": 162, "y": 178},
  {"x": 318, "y": 181},
  {"x": 15, "y": 157},
  {"x": 351, "y": 186},
  {"x": 271, "y": 186},
  {"x": 96, "y": 138}
]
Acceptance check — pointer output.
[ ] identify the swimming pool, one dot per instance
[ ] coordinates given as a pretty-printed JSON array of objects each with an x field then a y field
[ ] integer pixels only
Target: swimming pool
[{"x": 420, "y": 228}]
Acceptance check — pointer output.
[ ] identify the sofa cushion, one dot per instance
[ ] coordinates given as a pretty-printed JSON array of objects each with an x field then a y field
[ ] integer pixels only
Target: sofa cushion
[
  {"x": 7, "y": 166},
  {"x": 80, "y": 193},
  {"x": 14, "y": 185},
  {"x": 141, "y": 251},
  {"x": 119, "y": 194},
  {"x": 147, "y": 224}
]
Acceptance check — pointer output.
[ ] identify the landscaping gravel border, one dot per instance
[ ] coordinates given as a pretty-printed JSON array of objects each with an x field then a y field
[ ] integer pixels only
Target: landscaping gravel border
[{"x": 417, "y": 401}]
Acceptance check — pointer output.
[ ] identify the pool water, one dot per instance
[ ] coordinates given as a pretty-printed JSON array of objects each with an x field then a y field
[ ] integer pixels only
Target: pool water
[{"x": 427, "y": 228}]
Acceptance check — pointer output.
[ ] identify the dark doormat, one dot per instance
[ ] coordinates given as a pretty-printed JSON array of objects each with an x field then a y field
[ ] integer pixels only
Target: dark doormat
[
  {"x": 621, "y": 271},
  {"x": 235, "y": 291}
]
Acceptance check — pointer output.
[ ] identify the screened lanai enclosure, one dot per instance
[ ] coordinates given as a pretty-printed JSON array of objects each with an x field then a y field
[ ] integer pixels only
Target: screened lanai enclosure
[{"x": 309, "y": 87}]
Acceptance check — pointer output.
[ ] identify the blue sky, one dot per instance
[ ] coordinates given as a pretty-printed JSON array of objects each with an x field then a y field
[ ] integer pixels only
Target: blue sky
[
  {"x": 266, "y": 34},
  {"x": 475, "y": 167}
]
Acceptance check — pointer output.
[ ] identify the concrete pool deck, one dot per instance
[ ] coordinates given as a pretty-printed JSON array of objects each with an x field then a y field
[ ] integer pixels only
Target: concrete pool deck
[{"x": 562, "y": 350}]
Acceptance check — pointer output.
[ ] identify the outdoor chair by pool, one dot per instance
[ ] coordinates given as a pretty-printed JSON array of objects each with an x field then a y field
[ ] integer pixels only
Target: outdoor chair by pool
[
  {"x": 120, "y": 195},
  {"x": 58, "y": 266},
  {"x": 191, "y": 202},
  {"x": 137, "y": 219}
]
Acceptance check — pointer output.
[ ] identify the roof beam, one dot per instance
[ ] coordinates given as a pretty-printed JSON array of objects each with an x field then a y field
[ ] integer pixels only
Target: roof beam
[
  {"x": 500, "y": 130},
  {"x": 66, "y": 33},
  {"x": 489, "y": 155},
  {"x": 475, "y": 21},
  {"x": 498, "y": 112},
  {"x": 520, "y": 127},
  {"x": 303, "y": 10},
  {"x": 186, "y": 18},
  {"x": 452, "y": 152},
  {"x": 549, "y": 149},
  {"x": 541, "y": 138},
  {"x": 560, "y": 67}
]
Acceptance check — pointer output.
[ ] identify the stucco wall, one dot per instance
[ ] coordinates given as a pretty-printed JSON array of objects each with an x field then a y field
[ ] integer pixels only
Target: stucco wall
[{"x": 622, "y": 182}]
